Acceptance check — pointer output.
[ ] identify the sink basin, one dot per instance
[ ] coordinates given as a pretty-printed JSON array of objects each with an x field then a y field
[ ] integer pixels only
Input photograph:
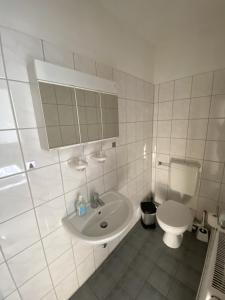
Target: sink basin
[{"x": 104, "y": 223}]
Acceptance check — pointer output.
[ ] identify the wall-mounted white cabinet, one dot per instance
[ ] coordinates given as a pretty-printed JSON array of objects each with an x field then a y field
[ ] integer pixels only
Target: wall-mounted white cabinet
[{"x": 77, "y": 107}]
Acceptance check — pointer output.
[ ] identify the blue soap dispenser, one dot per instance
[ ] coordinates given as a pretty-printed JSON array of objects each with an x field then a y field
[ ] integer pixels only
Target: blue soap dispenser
[{"x": 81, "y": 206}]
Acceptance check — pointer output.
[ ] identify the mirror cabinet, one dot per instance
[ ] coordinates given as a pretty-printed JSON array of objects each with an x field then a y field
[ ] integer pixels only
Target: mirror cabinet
[{"x": 73, "y": 116}]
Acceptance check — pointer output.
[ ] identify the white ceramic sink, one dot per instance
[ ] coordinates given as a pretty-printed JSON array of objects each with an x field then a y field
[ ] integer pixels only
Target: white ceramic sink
[{"x": 104, "y": 223}]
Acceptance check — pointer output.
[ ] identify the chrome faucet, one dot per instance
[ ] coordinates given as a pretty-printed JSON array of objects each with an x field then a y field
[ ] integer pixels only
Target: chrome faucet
[{"x": 96, "y": 201}]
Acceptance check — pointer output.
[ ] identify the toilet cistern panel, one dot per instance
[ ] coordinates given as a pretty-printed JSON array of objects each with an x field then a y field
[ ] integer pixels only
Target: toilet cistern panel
[{"x": 183, "y": 178}]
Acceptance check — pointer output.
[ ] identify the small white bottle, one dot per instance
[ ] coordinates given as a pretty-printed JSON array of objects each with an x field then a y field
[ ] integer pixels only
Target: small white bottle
[{"x": 81, "y": 206}]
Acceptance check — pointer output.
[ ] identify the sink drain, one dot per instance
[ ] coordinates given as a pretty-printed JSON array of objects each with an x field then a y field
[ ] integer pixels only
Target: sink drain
[{"x": 103, "y": 224}]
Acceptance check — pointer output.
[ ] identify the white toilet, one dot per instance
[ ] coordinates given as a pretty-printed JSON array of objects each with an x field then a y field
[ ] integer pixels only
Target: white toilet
[{"x": 174, "y": 217}]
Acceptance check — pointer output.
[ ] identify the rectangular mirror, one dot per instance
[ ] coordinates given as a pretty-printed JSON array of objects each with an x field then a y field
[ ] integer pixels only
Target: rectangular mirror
[
  {"x": 110, "y": 118},
  {"x": 60, "y": 113},
  {"x": 89, "y": 111},
  {"x": 73, "y": 116}
]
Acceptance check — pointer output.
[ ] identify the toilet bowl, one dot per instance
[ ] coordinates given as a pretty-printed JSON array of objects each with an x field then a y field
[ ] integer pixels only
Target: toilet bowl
[{"x": 174, "y": 218}]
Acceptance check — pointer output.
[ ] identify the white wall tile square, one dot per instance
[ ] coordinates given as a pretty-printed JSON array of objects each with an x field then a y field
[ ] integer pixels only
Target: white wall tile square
[
  {"x": 202, "y": 84},
  {"x": 36, "y": 287},
  {"x": 33, "y": 151},
  {"x": 85, "y": 269},
  {"x": 14, "y": 235},
  {"x": 217, "y": 109},
  {"x": 69, "y": 173},
  {"x": 163, "y": 145},
  {"x": 62, "y": 267},
  {"x": 27, "y": 263},
  {"x": 219, "y": 82},
  {"x": 215, "y": 151},
  {"x": 209, "y": 189},
  {"x": 179, "y": 128},
  {"x": 132, "y": 170},
  {"x": 166, "y": 91},
  {"x": 164, "y": 129},
  {"x": 122, "y": 155},
  {"x": 165, "y": 111},
  {"x": 58, "y": 55},
  {"x": 197, "y": 129},
  {"x": 123, "y": 134},
  {"x": 182, "y": 88},
  {"x": 199, "y": 107},
  {"x": 6, "y": 114},
  {"x": 10, "y": 154},
  {"x": 132, "y": 152},
  {"x": 131, "y": 111},
  {"x": 177, "y": 147},
  {"x": 212, "y": 170},
  {"x": 195, "y": 148},
  {"x": 122, "y": 176},
  {"x": 19, "y": 51},
  {"x": 46, "y": 183},
  {"x": 131, "y": 132},
  {"x": 110, "y": 181},
  {"x": 110, "y": 162},
  {"x": 50, "y": 215},
  {"x": 7, "y": 285},
  {"x": 94, "y": 170},
  {"x": 216, "y": 129},
  {"x": 81, "y": 251},
  {"x": 56, "y": 243},
  {"x": 67, "y": 287},
  {"x": 181, "y": 109},
  {"x": 122, "y": 110},
  {"x": 14, "y": 196},
  {"x": 23, "y": 104}
]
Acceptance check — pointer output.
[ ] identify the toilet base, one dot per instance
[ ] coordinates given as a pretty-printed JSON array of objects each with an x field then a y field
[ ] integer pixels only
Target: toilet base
[{"x": 172, "y": 240}]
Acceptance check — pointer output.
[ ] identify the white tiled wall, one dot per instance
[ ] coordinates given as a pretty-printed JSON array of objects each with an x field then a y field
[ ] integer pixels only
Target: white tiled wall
[
  {"x": 189, "y": 123},
  {"x": 38, "y": 259}
]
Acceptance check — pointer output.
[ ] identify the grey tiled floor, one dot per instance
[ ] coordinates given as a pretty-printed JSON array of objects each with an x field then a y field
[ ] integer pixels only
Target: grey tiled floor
[{"x": 143, "y": 268}]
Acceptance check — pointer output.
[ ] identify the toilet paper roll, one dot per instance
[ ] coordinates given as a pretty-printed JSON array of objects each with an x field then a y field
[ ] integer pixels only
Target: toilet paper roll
[{"x": 212, "y": 220}]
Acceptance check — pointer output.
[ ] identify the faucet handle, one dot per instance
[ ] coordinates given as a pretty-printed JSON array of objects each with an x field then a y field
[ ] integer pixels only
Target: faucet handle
[
  {"x": 95, "y": 195},
  {"x": 94, "y": 199}
]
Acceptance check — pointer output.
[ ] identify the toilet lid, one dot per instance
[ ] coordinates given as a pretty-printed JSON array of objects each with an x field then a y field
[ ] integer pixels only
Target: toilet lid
[{"x": 174, "y": 214}]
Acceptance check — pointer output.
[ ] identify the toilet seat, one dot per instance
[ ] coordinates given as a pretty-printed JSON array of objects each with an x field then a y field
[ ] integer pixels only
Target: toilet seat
[
  {"x": 174, "y": 218},
  {"x": 174, "y": 214}
]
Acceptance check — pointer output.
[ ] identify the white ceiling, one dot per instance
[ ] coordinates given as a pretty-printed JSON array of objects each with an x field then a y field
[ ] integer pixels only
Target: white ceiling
[{"x": 160, "y": 21}]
